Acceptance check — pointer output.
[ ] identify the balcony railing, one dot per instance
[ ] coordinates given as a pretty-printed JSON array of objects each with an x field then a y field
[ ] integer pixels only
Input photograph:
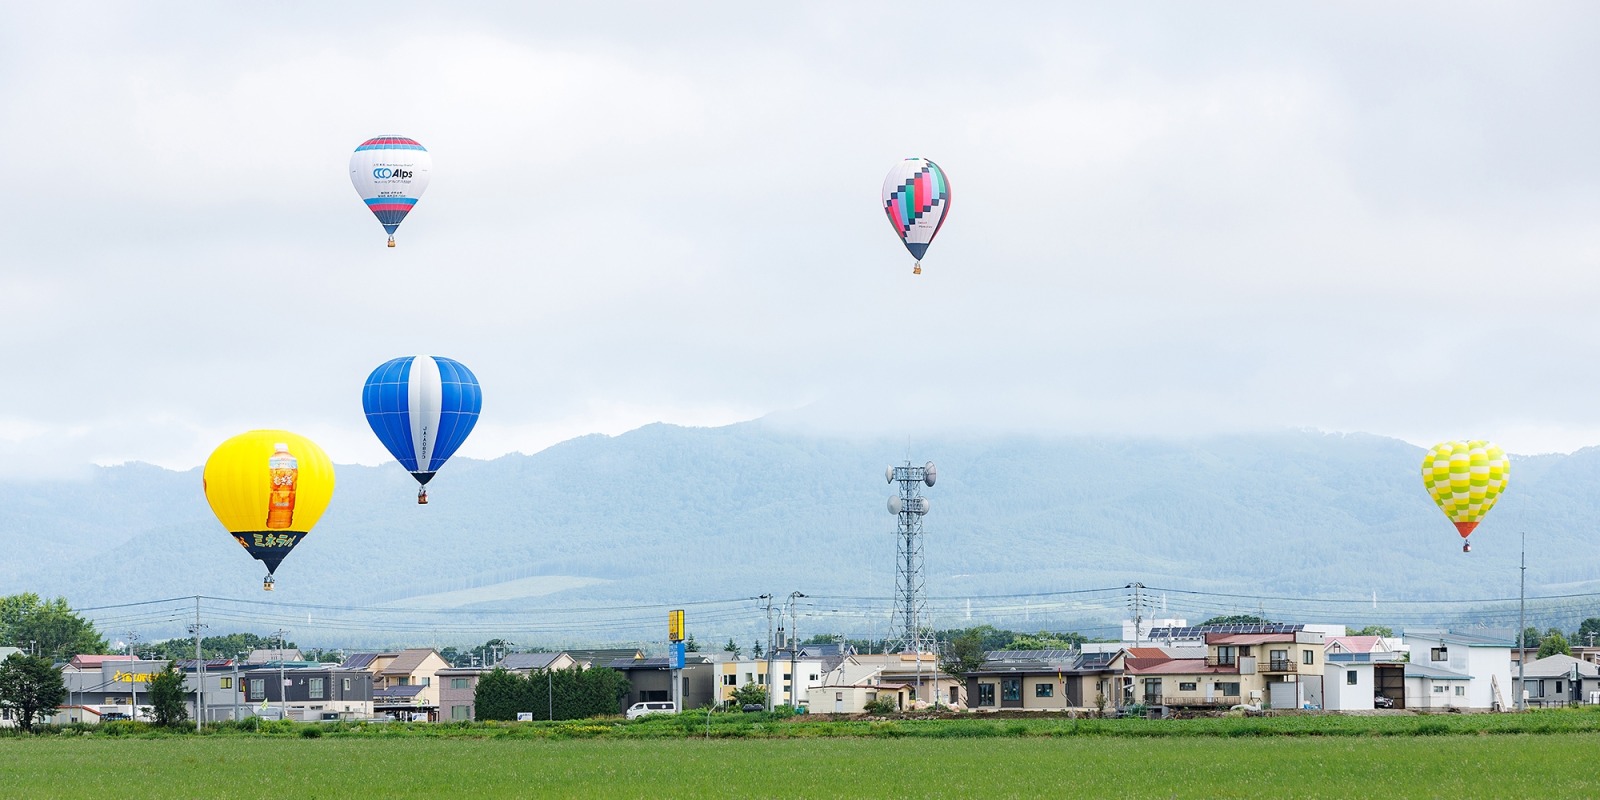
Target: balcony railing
[
  {"x": 1282, "y": 665},
  {"x": 1222, "y": 661}
]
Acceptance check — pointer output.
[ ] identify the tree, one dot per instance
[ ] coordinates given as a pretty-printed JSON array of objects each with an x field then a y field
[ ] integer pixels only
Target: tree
[
  {"x": 1530, "y": 637},
  {"x": 964, "y": 653},
  {"x": 730, "y": 647},
  {"x": 757, "y": 651},
  {"x": 1238, "y": 619},
  {"x": 1588, "y": 632},
  {"x": 1552, "y": 643},
  {"x": 1375, "y": 630},
  {"x": 167, "y": 695},
  {"x": 31, "y": 686},
  {"x": 48, "y": 629},
  {"x": 500, "y": 695},
  {"x": 750, "y": 694},
  {"x": 690, "y": 645}
]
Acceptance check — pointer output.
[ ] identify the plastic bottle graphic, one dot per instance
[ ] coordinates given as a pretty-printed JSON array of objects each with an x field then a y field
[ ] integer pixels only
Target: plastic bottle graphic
[{"x": 285, "y": 472}]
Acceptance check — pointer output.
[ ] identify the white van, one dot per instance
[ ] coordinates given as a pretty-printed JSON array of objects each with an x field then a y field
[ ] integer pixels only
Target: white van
[{"x": 638, "y": 710}]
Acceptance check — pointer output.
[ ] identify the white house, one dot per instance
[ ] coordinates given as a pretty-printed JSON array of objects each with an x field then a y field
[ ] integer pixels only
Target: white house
[{"x": 1484, "y": 660}]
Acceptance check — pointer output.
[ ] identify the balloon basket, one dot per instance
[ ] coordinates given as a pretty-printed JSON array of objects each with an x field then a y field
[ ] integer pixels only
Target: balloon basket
[
  {"x": 1466, "y": 547},
  {"x": 917, "y": 270},
  {"x": 267, "y": 583},
  {"x": 422, "y": 497},
  {"x": 391, "y": 241}
]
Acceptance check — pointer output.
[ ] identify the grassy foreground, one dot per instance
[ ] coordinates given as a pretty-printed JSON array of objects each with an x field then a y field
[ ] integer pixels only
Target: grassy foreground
[{"x": 1454, "y": 766}]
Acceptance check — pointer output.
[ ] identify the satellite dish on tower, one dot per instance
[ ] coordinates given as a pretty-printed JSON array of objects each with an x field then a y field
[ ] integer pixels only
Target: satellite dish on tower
[
  {"x": 888, "y": 474},
  {"x": 894, "y": 504},
  {"x": 930, "y": 473},
  {"x": 922, "y": 506}
]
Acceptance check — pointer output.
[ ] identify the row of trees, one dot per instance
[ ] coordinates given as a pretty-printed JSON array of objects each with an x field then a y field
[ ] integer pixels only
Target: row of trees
[{"x": 550, "y": 694}]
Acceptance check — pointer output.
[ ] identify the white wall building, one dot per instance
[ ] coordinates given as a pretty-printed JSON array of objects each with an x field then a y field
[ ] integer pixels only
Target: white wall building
[{"x": 1485, "y": 660}]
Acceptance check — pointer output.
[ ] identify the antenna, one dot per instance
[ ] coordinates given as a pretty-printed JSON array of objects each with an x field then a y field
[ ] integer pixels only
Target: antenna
[{"x": 907, "y": 625}]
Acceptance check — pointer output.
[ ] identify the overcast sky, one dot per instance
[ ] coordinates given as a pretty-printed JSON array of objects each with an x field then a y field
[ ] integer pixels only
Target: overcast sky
[{"x": 1185, "y": 217}]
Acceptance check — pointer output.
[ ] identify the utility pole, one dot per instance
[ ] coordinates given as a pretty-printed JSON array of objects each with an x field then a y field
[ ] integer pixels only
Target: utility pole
[
  {"x": 283, "y": 694},
  {"x": 794, "y": 650},
  {"x": 1136, "y": 610},
  {"x": 768, "y": 598},
  {"x": 1522, "y": 624},
  {"x": 133, "y": 677},
  {"x": 200, "y": 669}
]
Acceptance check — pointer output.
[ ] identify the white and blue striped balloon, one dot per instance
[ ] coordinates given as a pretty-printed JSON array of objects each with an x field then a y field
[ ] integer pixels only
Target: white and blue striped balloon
[{"x": 422, "y": 408}]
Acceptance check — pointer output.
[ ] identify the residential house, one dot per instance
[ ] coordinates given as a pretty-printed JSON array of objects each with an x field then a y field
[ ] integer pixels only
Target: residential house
[
  {"x": 262, "y": 657},
  {"x": 852, "y": 698},
  {"x": 1271, "y": 665},
  {"x": 1431, "y": 687},
  {"x": 309, "y": 693},
  {"x": 603, "y": 657},
  {"x": 1359, "y": 669},
  {"x": 1048, "y": 680},
  {"x": 733, "y": 674},
  {"x": 403, "y": 682},
  {"x": 1560, "y": 680},
  {"x": 920, "y": 671},
  {"x": 1484, "y": 659}
]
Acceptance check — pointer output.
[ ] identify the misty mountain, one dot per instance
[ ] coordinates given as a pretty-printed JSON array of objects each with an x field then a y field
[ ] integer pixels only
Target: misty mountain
[{"x": 668, "y": 514}]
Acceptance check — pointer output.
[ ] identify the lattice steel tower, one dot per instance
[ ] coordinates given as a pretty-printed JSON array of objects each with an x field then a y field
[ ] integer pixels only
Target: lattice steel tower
[{"x": 907, "y": 626}]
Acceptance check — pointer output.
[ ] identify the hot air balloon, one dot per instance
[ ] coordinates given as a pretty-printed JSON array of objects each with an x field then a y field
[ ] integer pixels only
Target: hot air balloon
[
  {"x": 390, "y": 173},
  {"x": 916, "y": 196},
  {"x": 268, "y": 488},
  {"x": 1465, "y": 479},
  {"x": 422, "y": 408}
]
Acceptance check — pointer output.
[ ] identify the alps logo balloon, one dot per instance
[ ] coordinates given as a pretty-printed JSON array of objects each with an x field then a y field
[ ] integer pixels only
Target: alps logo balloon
[{"x": 390, "y": 173}]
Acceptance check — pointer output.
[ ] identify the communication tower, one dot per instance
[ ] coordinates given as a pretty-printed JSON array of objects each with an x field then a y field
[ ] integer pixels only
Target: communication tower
[{"x": 907, "y": 625}]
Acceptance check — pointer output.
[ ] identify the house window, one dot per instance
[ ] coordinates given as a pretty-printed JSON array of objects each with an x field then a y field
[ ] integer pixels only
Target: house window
[
  {"x": 461, "y": 712},
  {"x": 227, "y": 683},
  {"x": 459, "y": 683},
  {"x": 1152, "y": 691},
  {"x": 985, "y": 694},
  {"x": 813, "y": 678},
  {"x": 427, "y": 681},
  {"x": 838, "y": 697},
  {"x": 1044, "y": 690},
  {"x": 316, "y": 688},
  {"x": 347, "y": 684},
  {"x": 1010, "y": 688},
  {"x": 730, "y": 680},
  {"x": 1188, "y": 686},
  {"x": 1350, "y": 678},
  {"x": 786, "y": 677},
  {"x": 1558, "y": 687},
  {"x": 1439, "y": 654},
  {"x": 1461, "y": 691},
  {"x": 955, "y": 696},
  {"x": 258, "y": 688},
  {"x": 403, "y": 680},
  {"x": 1438, "y": 690},
  {"x": 761, "y": 679},
  {"x": 1228, "y": 689},
  {"x": 1308, "y": 657},
  {"x": 1226, "y": 654}
]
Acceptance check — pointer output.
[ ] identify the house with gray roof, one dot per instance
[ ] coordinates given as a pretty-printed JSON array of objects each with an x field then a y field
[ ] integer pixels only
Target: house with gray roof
[{"x": 1559, "y": 680}]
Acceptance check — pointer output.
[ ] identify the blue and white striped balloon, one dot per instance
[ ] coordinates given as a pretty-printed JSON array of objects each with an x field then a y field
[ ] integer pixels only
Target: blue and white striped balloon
[{"x": 422, "y": 408}]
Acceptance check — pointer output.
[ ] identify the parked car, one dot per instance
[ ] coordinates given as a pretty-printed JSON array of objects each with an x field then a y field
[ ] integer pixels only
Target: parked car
[
  {"x": 752, "y": 707},
  {"x": 638, "y": 710},
  {"x": 1380, "y": 701}
]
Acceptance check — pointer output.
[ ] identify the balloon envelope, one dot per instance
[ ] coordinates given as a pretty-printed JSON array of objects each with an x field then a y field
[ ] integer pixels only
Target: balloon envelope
[
  {"x": 422, "y": 408},
  {"x": 268, "y": 488},
  {"x": 916, "y": 196},
  {"x": 390, "y": 173},
  {"x": 1465, "y": 479}
]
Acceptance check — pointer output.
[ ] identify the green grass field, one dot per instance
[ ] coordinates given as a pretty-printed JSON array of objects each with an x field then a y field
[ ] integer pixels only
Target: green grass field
[{"x": 1555, "y": 765}]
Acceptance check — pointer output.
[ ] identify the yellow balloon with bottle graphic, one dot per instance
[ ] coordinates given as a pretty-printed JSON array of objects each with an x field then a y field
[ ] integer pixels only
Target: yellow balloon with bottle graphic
[{"x": 268, "y": 488}]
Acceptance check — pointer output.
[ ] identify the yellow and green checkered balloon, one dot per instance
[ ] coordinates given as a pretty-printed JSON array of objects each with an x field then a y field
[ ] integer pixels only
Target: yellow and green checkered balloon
[{"x": 1465, "y": 479}]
